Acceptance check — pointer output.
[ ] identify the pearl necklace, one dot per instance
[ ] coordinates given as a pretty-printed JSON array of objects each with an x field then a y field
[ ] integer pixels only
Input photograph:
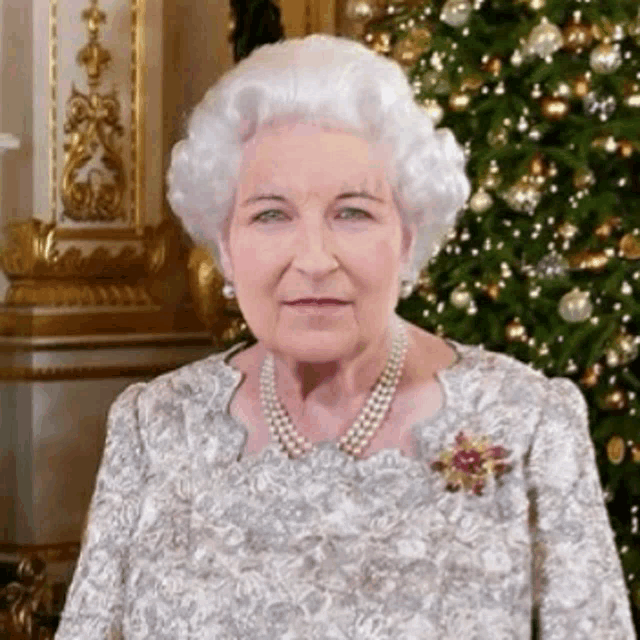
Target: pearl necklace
[{"x": 358, "y": 436}]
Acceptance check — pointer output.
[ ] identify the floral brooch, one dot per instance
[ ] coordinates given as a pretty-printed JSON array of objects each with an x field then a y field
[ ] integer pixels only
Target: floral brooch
[{"x": 470, "y": 462}]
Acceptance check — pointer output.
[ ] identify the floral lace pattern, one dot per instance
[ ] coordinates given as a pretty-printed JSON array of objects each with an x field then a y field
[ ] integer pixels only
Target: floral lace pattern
[{"x": 188, "y": 538}]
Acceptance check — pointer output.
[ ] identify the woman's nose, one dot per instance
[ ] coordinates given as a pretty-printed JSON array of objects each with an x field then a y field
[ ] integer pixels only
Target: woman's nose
[{"x": 314, "y": 250}]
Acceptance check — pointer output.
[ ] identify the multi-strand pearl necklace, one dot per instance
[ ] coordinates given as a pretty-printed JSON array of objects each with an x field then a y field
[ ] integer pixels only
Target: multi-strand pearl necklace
[{"x": 359, "y": 435}]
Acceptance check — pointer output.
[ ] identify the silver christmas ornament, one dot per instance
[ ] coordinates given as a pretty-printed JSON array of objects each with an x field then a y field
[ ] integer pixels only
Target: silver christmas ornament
[
  {"x": 455, "y": 13},
  {"x": 480, "y": 201},
  {"x": 460, "y": 297},
  {"x": 433, "y": 110},
  {"x": 575, "y": 306},
  {"x": 523, "y": 197},
  {"x": 545, "y": 39},
  {"x": 595, "y": 105},
  {"x": 553, "y": 265},
  {"x": 605, "y": 58}
]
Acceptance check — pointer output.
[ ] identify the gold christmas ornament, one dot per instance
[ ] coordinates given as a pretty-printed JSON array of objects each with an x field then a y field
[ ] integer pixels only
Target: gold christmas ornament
[
  {"x": 605, "y": 229},
  {"x": 523, "y": 196},
  {"x": 459, "y": 101},
  {"x": 625, "y": 148},
  {"x": 379, "y": 41},
  {"x": 493, "y": 291},
  {"x": 491, "y": 179},
  {"x": 433, "y": 110},
  {"x": 480, "y": 201},
  {"x": 615, "y": 399},
  {"x": 537, "y": 166},
  {"x": 622, "y": 351},
  {"x": 590, "y": 376},
  {"x": 575, "y": 306},
  {"x": 363, "y": 10},
  {"x": 589, "y": 260},
  {"x": 577, "y": 35},
  {"x": 581, "y": 86},
  {"x": 568, "y": 230},
  {"x": 616, "y": 449},
  {"x": 472, "y": 83},
  {"x": 583, "y": 178},
  {"x": 460, "y": 297},
  {"x": 456, "y": 13},
  {"x": 545, "y": 39},
  {"x": 554, "y": 108},
  {"x": 493, "y": 65},
  {"x": 605, "y": 58},
  {"x": 408, "y": 50},
  {"x": 515, "y": 331},
  {"x": 629, "y": 247},
  {"x": 635, "y": 456}
]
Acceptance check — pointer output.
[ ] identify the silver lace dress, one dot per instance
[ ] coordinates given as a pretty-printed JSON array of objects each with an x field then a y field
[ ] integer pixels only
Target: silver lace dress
[{"x": 188, "y": 538}]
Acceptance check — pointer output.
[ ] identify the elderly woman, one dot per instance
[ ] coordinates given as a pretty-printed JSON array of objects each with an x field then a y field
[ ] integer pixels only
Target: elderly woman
[{"x": 348, "y": 475}]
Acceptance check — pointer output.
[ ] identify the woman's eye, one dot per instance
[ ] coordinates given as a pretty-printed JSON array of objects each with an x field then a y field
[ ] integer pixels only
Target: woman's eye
[
  {"x": 268, "y": 215},
  {"x": 264, "y": 214},
  {"x": 360, "y": 211}
]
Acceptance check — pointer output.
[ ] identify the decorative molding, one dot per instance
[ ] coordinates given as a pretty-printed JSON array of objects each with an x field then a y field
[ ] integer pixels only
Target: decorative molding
[
  {"x": 17, "y": 322},
  {"x": 136, "y": 171},
  {"x": 86, "y": 343},
  {"x": 48, "y": 374},
  {"x": 138, "y": 62},
  {"x": 53, "y": 110},
  {"x": 92, "y": 128}
]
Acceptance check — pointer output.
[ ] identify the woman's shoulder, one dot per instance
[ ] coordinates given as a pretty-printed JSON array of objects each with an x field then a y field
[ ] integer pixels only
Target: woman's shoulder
[
  {"x": 208, "y": 377},
  {"x": 482, "y": 372}
]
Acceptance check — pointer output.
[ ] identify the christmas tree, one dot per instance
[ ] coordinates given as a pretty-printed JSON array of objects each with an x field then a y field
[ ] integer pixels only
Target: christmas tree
[{"x": 544, "y": 263}]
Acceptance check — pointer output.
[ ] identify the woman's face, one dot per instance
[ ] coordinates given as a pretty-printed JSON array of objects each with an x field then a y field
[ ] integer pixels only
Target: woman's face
[{"x": 314, "y": 217}]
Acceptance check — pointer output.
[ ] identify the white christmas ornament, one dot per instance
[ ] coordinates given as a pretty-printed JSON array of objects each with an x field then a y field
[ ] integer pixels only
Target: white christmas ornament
[
  {"x": 605, "y": 58},
  {"x": 575, "y": 306},
  {"x": 545, "y": 39},
  {"x": 480, "y": 201},
  {"x": 433, "y": 110},
  {"x": 460, "y": 297},
  {"x": 455, "y": 13}
]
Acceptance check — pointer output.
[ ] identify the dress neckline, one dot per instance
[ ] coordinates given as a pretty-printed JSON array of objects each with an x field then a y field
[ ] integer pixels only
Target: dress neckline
[{"x": 330, "y": 447}]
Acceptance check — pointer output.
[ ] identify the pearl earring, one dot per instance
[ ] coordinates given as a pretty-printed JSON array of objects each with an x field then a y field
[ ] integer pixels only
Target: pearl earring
[
  {"x": 406, "y": 288},
  {"x": 228, "y": 290}
]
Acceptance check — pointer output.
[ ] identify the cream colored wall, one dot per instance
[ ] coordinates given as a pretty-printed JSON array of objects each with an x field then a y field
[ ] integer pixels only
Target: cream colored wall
[
  {"x": 16, "y": 116},
  {"x": 196, "y": 54}
]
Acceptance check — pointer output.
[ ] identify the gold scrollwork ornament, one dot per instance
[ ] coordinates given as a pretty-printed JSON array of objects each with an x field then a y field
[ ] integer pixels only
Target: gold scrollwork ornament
[{"x": 94, "y": 175}]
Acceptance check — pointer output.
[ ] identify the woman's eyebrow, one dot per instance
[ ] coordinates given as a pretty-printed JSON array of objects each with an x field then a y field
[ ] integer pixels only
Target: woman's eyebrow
[
  {"x": 359, "y": 194},
  {"x": 342, "y": 196},
  {"x": 263, "y": 196}
]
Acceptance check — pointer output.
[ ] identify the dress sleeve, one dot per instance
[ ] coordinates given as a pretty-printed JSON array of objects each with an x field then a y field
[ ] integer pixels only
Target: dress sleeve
[
  {"x": 578, "y": 585},
  {"x": 94, "y": 605}
]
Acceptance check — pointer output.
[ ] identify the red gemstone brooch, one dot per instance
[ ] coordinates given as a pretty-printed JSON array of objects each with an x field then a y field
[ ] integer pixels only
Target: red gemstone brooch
[{"x": 470, "y": 462}]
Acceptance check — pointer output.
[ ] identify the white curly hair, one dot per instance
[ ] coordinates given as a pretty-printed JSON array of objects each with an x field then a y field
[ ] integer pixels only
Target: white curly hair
[{"x": 318, "y": 78}]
